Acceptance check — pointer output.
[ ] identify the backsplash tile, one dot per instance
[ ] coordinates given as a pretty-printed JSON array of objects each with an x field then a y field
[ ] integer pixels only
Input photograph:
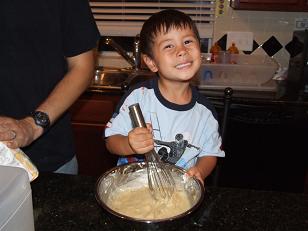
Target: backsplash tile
[
  {"x": 271, "y": 46},
  {"x": 255, "y": 45},
  {"x": 222, "y": 42},
  {"x": 264, "y": 25},
  {"x": 294, "y": 47}
]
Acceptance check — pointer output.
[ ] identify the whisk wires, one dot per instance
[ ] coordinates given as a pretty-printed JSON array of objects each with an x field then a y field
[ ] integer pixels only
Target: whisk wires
[{"x": 160, "y": 180}]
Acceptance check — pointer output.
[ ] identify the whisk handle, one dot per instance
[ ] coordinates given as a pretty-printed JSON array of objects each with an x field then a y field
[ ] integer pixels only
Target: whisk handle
[
  {"x": 136, "y": 115},
  {"x": 137, "y": 118}
]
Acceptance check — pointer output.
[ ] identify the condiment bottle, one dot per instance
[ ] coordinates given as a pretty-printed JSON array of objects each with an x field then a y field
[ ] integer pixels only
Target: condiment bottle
[
  {"x": 233, "y": 50},
  {"x": 215, "y": 49}
]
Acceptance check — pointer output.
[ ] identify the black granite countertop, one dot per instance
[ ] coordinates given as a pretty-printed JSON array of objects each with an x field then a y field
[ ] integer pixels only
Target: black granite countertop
[{"x": 67, "y": 203}]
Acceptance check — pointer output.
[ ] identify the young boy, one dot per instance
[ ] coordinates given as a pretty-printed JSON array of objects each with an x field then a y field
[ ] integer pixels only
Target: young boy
[{"x": 182, "y": 125}]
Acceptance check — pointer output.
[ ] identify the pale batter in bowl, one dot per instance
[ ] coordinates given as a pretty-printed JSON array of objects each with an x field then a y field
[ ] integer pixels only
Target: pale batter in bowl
[{"x": 139, "y": 204}]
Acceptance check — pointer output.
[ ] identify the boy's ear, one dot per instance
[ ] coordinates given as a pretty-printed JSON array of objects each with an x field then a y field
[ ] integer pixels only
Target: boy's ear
[{"x": 150, "y": 63}]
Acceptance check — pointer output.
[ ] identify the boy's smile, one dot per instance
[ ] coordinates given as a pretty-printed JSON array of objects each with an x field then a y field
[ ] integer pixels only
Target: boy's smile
[
  {"x": 176, "y": 54},
  {"x": 183, "y": 65}
]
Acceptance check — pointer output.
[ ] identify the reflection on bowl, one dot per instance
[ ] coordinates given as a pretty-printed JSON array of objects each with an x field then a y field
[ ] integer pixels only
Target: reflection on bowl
[{"x": 134, "y": 176}]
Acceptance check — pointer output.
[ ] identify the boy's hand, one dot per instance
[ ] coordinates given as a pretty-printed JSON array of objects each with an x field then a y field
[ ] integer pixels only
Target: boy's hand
[
  {"x": 203, "y": 167},
  {"x": 196, "y": 172},
  {"x": 141, "y": 139}
]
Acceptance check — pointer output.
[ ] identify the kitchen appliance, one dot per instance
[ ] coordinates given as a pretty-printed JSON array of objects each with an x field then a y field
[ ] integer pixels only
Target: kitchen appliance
[
  {"x": 16, "y": 211},
  {"x": 134, "y": 175},
  {"x": 297, "y": 80}
]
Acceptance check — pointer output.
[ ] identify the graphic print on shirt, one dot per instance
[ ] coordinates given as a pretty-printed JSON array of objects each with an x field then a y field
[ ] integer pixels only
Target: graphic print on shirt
[{"x": 171, "y": 151}]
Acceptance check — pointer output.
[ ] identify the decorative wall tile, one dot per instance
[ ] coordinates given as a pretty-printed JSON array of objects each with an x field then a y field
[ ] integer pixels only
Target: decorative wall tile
[
  {"x": 264, "y": 25},
  {"x": 294, "y": 47},
  {"x": 271, "y": 46},
  {"x": 222, "y": 42},
  {"x": 255, "y": 45},
  {"x": 259, "y": 51}
]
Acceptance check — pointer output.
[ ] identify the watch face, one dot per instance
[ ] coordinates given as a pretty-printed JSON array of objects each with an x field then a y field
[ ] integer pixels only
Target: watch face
[{"x": 41, "y": 119}]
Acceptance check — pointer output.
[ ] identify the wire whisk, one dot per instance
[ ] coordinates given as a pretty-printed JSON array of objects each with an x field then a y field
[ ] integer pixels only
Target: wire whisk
[{"x": 160, "y": 180}]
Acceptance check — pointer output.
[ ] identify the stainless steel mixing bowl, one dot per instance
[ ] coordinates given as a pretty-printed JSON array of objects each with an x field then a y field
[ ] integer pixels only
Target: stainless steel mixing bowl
[{"x": 134, "y": 174}]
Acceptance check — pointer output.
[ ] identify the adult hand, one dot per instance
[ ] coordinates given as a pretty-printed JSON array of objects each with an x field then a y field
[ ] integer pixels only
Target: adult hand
[{"x": 17, "y": 133}]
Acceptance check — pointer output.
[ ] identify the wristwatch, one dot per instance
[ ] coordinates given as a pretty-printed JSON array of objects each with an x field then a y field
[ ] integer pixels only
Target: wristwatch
[{"x": 41, "y": 119}]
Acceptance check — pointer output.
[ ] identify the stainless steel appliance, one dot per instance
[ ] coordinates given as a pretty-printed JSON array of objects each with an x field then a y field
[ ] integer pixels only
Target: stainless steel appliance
[{"x": 297, "y": 81}]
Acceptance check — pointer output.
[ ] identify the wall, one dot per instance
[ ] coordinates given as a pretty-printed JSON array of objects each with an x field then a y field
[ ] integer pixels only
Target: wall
[{"x": 263, "y": 24}]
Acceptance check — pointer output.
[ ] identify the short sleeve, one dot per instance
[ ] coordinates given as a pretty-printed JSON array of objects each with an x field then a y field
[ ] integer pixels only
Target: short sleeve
[{"x": 79, "y": 30}]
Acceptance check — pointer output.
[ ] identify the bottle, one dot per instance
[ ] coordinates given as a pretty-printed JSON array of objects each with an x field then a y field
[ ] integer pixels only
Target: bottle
[
  {"x": 233, "y": 50},
  {"x": 215, "y": 49}
]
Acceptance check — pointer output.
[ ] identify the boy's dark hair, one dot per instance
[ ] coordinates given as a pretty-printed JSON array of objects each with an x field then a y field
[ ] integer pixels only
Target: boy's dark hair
[{"x": 162, "y": 22}]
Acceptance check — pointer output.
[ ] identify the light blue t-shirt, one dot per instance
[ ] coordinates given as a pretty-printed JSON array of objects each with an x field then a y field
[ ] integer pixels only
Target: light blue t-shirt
[{"x": 182, "y": 133}]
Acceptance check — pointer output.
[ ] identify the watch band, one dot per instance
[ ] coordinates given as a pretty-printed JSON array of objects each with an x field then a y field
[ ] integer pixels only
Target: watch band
[{"x": 41, "y": 119}]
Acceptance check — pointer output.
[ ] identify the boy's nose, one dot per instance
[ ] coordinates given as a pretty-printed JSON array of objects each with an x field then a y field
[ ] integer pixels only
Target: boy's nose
[{"x": 182, "y": 51}]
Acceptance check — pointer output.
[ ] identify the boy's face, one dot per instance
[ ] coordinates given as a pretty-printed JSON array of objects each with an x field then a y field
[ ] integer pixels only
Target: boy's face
[{"x": 176, "y": 55}]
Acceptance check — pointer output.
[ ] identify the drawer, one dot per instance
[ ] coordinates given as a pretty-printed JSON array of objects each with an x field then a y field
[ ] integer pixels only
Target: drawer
[{"x": 92, "y": 111}]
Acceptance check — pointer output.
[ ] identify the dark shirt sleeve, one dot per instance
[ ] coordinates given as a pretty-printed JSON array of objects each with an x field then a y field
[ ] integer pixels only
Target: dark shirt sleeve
[{"x": 80, "y": 32}]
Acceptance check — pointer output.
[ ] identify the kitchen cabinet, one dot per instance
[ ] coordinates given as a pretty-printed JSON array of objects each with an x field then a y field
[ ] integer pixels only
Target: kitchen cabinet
[
  {"x": 90, "y": 114},
  {"x": 270, "y": 5},
  {"x": 266, "y": 148}
]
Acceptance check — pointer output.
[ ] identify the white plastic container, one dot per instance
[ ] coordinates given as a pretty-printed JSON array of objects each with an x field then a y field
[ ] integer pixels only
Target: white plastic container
[
  {"x": 250, "y": 70},
  {"x": 16, "y": 210}
]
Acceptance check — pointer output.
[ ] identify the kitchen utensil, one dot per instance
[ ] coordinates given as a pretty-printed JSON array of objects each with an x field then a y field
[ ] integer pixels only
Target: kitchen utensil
[
  {"x": 134, "y": 175},
  {"x": 161, "y": 183}
]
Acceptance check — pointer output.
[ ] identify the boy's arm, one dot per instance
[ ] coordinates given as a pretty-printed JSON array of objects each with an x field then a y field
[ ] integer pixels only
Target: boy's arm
[
  {"x": 118, "y": 144},
  {"x": 203, "y": 167}
]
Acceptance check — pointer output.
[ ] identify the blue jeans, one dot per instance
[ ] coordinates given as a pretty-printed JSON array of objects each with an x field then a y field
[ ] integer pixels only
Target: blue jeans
[{"x": 70, "y": 167}]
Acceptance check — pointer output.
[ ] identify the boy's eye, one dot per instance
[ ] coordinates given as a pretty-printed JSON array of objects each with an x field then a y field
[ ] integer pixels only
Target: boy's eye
[
  {"x": 188, "y": 42},
  {"x": 168, "y": 46}
]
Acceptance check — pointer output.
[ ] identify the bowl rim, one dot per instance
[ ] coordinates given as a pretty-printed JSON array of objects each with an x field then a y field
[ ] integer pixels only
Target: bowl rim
[{"x": 124, "y": 217}]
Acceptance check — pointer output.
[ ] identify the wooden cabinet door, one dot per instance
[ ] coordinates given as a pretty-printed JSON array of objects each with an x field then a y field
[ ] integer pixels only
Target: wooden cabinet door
[
  {"x": 90, "y": 114},
  {"x": 270, "y": 5},
  {"x": 93, "y": 157},
  {"x": 94, "y": 109}
]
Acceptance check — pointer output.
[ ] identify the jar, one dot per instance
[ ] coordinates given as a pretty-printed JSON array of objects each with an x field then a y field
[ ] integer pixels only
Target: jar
[
  {"x": 233, "y": 50},
  {"x": 215, "y": 49}
]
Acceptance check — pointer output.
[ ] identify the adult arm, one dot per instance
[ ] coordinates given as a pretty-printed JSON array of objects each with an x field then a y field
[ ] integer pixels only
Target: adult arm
[{"x": 76, "y": 80}]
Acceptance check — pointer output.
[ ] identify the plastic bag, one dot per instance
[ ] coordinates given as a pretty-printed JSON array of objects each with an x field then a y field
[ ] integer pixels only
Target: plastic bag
[{"x": 17, "y": 158}]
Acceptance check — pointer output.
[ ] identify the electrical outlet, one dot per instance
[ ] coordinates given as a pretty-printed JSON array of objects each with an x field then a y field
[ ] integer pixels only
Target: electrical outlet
[
  {"x": 301, "y": 23},
  {"x": 243, "y": 40}
]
